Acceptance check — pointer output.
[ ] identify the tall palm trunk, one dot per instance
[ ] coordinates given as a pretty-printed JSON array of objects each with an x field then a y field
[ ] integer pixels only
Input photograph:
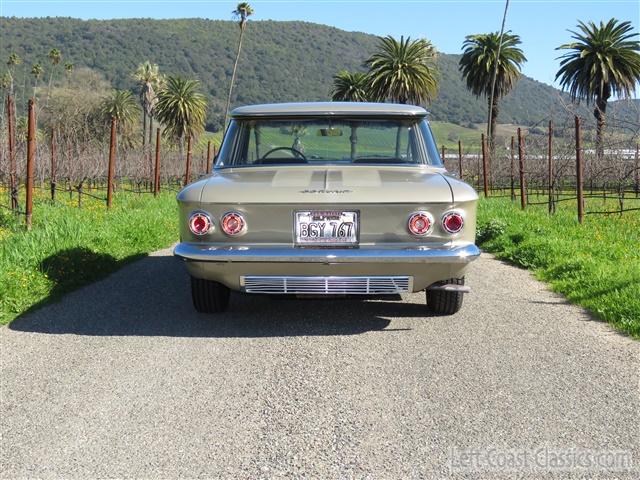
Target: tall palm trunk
[
  {"x": 233, "y": 74},
  {"x": 144, "y": 129},
  {"x": 49, "y": 86},
  {"x": 600, "y": 112},
  {"x": 150, "y": 148},
  {"x": 494, "y": 108},
  {"x": 493, "y": 112},
  {"x": 150, "y": 138}
]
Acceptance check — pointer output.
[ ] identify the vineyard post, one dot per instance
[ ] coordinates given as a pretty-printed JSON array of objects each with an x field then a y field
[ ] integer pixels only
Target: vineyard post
[
  {"x": 13, "y": 174},
  {"x": 112, "y": 162},
  {"x": 484, "y": 165},
  {"x": 54, "y": 153},
  {"x": 208, "y": 169},
  {"x": 187, "y": 173},
  {"x": 460, "y": 158},
  {"x": 579, "y": 190},
  {"x": 523, "y": 185},
  {"x": 513, "y": 189},
  {"x": 31, "y": 152},
  {"x": 552, "y": 206},
  {"x": 156, "y": 173},
  {"x": 478, "y": 173}
]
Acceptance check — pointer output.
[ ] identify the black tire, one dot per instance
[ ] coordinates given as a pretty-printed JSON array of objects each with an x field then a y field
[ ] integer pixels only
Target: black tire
[
  {"x": 209, "y": 296},
  {"x": 445, "y": 303}
]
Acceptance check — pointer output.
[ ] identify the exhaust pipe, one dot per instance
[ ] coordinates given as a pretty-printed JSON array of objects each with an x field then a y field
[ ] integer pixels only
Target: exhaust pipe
[{"x": 451, "y": 287}]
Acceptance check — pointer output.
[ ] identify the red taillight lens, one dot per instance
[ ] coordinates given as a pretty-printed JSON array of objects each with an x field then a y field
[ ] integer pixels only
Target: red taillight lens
[
  {"x": 199, "y": 223},
  {"x": 452, "y": 222},
  {"x": 420, "y": 223},
  {"x": 233, "y": 224}
]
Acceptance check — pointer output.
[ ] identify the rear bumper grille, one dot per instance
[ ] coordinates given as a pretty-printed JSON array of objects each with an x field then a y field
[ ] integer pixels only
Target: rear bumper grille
[{"x": 376, "y": 285}]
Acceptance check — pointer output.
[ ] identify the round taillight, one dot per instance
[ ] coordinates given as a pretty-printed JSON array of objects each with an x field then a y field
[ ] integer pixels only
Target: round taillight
[
  {"x": 452, "y": 222},
  {"x": 199, "y": 223},
  {"x": 233, "y": 224},
  {"x": 420, "y": 223}
]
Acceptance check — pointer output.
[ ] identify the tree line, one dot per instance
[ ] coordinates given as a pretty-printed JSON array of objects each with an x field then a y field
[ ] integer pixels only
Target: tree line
[{"x": 601, "y": 61}]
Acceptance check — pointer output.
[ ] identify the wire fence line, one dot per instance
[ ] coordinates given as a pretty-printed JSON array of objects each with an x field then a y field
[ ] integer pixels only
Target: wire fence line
[
  {"x": 560, "y": 163},
  {"x": 545, "y": 164},
  {"x": 78, "y": 163}
]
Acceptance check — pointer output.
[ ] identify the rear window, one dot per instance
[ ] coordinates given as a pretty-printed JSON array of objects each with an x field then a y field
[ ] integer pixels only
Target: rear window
[{"x": 260, "y": 142}]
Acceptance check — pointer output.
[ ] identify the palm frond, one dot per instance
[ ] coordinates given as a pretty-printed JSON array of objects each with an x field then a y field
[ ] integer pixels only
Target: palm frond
[
  {"x": 121, "y": 105},
  {"x": 350, "y": 87},
  {"x": 602, "y": 60},
  {"x": 181, "y": 108},
  {"x": 480, "y": 58},
  {"x": 55, "y": 56},
  {"x": 403, "y": 71},
  {"x": 242, "y": 12}
]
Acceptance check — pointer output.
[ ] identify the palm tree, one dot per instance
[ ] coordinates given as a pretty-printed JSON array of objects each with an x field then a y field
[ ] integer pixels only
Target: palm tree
[
  {"x": 121, "y": 105},
  {"x": 480, "y": 60},
  {"x": 5, "y": 81},
  {"x": 54, "y": 56},
  {"x": 68, "y": 70},
  {"x": 350, "y": 87},
  {"x": 36, "y": 71},
  {"x": 403, "y": 71},
  {"x": 14, "y": 60},
  {"x": 181, "y": 108},
  {"x": 147, "y": 76},
  {"x": 603, "y": 61},
  {"x": 243, "y": 11}
]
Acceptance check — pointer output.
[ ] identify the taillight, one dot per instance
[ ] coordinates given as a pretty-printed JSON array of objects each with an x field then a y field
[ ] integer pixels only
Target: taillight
[
  {"x": 200, "y": 223},
  {"x": 420, "y": 223},
  {"x": 452, "y": 222},
  {"x": 233, "y": 224}
]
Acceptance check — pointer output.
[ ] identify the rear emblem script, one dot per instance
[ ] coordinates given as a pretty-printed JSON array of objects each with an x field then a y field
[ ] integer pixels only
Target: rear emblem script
[{"x": 326, "y": 191}]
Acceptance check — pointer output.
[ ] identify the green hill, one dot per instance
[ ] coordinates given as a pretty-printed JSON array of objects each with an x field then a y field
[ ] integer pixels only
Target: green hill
[{"x": 281, "y": 61}]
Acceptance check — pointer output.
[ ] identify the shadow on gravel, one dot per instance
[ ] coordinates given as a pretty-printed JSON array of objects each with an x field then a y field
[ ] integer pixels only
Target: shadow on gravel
[{"x": 151, "y": 297}]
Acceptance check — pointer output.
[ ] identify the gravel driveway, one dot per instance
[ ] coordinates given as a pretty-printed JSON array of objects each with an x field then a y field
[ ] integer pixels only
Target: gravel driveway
[{"x": 124, "y": 379}]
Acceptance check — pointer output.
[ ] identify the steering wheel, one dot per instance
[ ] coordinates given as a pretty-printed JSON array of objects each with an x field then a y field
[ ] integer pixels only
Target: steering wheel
[{"x": 298, "y": 153}]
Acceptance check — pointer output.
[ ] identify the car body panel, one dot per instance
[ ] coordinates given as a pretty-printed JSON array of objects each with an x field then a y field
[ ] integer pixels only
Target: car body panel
[
  {"x": 331, "y": 184},
  {"x": 384, "y": 196}
]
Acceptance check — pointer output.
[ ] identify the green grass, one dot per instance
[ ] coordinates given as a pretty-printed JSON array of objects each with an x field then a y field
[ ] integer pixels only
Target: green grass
[
  {"x": 595, "y": 265},
  {"x": 448, "y": 134},
  {"x": 69, "y": 247}
]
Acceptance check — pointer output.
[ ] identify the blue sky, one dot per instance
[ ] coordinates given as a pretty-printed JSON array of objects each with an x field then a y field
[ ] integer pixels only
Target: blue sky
[{"x": 542, "y": 24}]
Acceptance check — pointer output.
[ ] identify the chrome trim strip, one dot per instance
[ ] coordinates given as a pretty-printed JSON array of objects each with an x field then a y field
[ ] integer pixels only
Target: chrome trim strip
[
  {"x": 351, "y": 285},
  {"x": 202, "y": 252}
]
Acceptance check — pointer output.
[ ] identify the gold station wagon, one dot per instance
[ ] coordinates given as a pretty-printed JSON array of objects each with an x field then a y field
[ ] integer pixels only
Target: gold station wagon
[{"x": 328, "y": 199}]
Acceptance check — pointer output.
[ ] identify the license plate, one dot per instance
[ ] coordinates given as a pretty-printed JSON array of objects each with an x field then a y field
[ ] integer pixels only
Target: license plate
[{"x": 326, "y": 227}]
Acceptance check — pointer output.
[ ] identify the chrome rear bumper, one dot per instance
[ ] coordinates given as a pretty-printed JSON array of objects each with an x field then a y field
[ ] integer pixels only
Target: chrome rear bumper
[{"x": 421, "y": 254}]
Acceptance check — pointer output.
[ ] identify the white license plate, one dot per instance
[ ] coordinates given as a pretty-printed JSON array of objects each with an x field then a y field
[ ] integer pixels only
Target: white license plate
[{"x": 326, "y": 227}]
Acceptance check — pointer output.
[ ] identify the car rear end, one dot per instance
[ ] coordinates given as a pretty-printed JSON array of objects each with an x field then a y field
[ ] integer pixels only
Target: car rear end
[{"x": 368, "y": 213}]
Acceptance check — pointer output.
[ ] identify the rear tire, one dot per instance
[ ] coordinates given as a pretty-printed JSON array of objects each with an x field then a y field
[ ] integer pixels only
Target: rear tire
[
  {"x": 209, "y": 296},
  {"x": 441, "y": 302}
]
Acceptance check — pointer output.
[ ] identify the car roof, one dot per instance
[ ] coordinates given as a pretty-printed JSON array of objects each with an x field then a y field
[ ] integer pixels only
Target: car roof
[{"x": 348, "y": 109}]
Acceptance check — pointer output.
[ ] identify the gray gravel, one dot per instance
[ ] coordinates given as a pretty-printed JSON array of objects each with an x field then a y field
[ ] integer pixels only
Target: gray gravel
[{"x": 124, "y": 379}]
